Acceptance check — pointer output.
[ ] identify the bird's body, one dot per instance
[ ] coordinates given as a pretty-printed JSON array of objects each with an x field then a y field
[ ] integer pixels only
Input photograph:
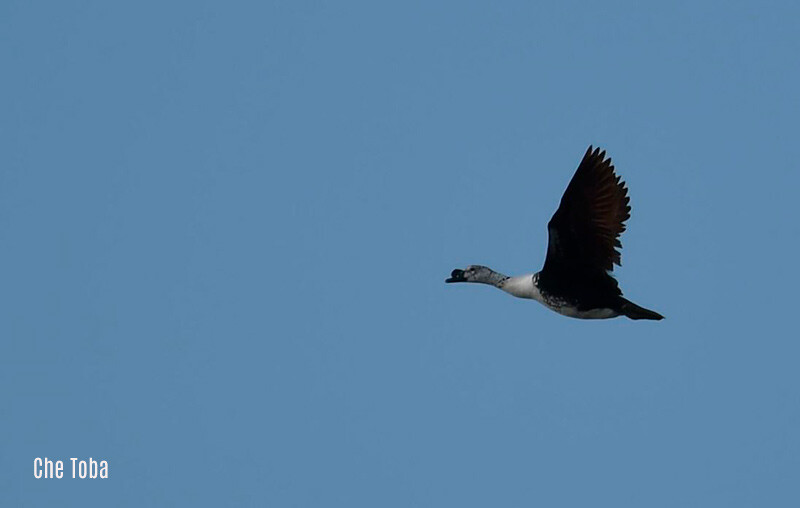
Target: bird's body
[
  {"x": 527, "y": 286},
  {"x": 583, "y": 236}
]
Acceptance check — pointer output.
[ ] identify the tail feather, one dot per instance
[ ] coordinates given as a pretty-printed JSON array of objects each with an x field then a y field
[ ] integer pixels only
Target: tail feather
[{"x": 633, "y": 311}]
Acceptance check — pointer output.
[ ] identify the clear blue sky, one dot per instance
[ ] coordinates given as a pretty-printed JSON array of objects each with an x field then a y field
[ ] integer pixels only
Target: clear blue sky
[{"x": 225, "y": 227}]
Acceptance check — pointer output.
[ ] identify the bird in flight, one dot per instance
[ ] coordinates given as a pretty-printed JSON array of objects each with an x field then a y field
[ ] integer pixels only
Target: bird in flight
[{"x": 582, "y": 250}]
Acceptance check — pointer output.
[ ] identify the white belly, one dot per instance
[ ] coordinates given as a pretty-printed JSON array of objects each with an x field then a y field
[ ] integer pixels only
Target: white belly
[{"x": 585, "y": 314}]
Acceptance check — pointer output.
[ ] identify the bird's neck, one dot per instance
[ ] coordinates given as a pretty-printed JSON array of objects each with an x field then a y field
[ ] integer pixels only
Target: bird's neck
[{"x": 493, "y": 278}]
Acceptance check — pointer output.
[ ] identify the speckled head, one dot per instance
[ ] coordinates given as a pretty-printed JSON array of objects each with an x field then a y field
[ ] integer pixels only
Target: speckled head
[{"x": 476, "y": 273}]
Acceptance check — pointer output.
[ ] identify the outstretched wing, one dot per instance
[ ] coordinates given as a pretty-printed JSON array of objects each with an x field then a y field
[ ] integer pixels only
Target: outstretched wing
[{"x": 584, "y": 232}]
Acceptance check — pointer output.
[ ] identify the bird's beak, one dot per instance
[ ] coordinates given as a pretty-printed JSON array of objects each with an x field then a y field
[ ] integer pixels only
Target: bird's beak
[{"x": 456, "y": 276}]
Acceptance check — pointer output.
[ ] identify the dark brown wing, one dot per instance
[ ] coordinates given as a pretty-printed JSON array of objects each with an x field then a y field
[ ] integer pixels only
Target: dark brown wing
[{"x": 584, "y": 232}]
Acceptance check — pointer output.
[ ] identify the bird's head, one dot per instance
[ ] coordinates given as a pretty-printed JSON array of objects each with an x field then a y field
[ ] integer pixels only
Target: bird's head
[{"x": 472, "y": 273}]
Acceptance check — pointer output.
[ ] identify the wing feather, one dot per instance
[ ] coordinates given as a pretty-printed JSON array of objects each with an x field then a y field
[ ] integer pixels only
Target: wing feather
[{"x": 584, "y": 232}]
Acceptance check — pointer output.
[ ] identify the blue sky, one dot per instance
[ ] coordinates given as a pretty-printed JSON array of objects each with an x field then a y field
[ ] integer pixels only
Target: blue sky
[{"x": 224, "y": 230}]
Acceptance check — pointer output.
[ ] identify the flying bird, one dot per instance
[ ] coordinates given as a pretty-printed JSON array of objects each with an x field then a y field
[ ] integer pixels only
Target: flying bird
[{"x": 584, "y": 232}]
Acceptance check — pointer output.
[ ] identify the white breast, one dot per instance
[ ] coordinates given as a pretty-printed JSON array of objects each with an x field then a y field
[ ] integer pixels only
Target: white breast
[{"x": 522, "y": 286}]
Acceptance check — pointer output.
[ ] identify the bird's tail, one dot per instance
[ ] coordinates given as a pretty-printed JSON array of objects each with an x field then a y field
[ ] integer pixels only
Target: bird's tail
[{"x": 633, "y": 311}]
